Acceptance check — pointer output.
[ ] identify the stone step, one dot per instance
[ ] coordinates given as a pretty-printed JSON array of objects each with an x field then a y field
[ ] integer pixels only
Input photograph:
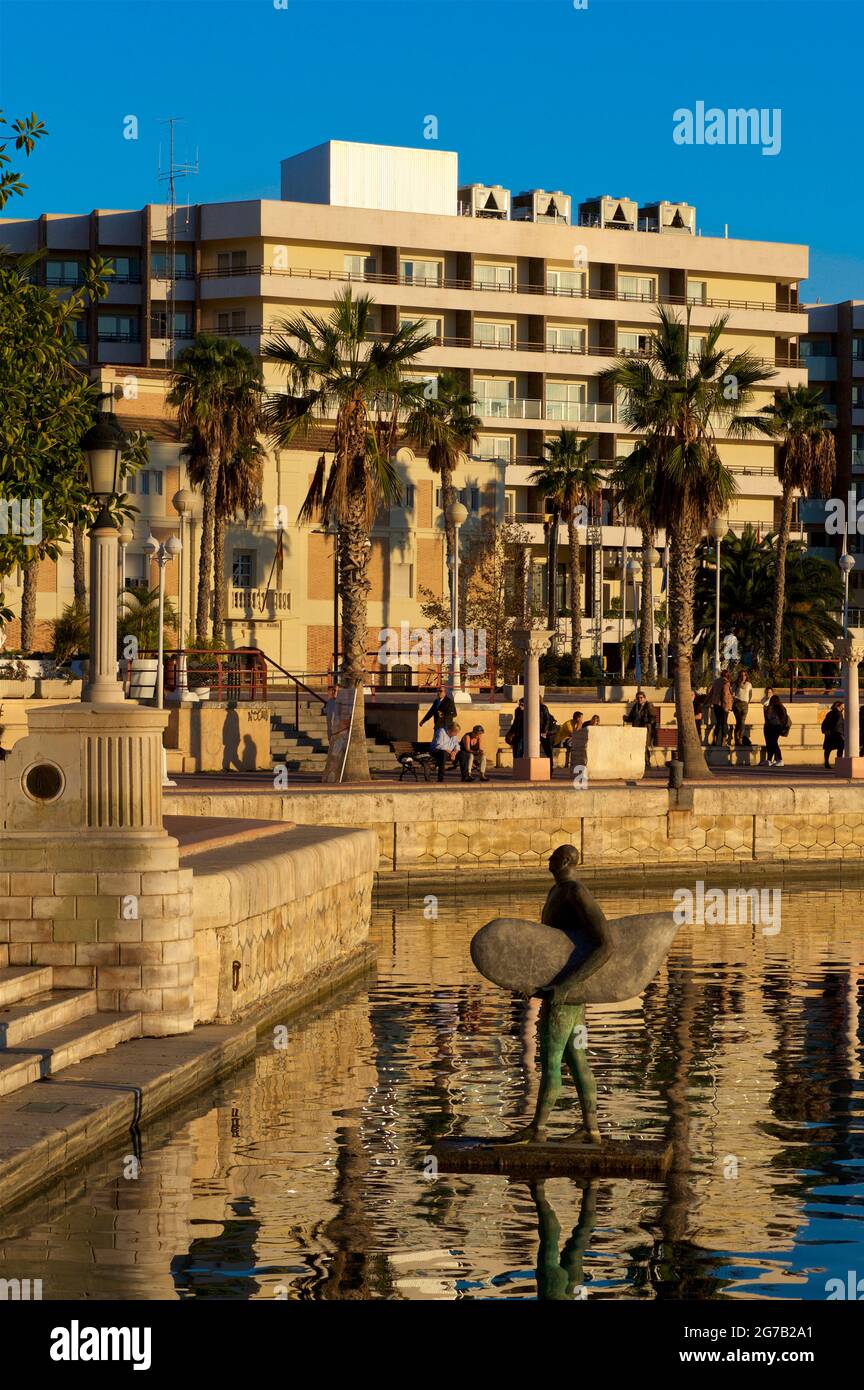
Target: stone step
[
  {"x": 51, "y": 1052},
  {"x": 44, "y": 1012},
  {"x": 19, "y": 982}
]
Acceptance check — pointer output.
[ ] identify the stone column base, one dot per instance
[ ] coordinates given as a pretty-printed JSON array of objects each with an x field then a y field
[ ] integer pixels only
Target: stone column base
[
  {"x": 532, "y": 769},
  {"x": 849, "y": 767}
]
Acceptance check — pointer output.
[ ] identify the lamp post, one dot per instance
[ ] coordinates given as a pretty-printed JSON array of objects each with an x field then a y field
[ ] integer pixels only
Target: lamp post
[
  {"x": 457, "y": 514},
  {"x": 652, "y": 556},
  {"x": 634, "y": 570},
  {"x": 717, "y": 530},
  {"x": 161, "y": 552},
  {"x": 125, "y": 537},
  {"x": 102, "y": 446},
  {"x": 847, "y": 565},
  {"x": 182, "y": 504}
]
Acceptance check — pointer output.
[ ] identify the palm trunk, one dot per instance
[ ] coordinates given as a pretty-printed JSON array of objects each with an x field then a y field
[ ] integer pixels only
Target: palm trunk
[
  {"x": 448, "y": 495},
  {"x": 205, "y": 560},
  {"x": 219, "y": 579},
  {"x": 575, "y": 596},
  {"x": 682, "y": 573},
  {"x": 354, "y": 585},
  {"x": 28, "y": 605},
  {"x": 79, "y": 573},
  {"x": 647, "y": 652},
  {"x": 552, "y": 590},
  {"x": 780, "y": 577}
]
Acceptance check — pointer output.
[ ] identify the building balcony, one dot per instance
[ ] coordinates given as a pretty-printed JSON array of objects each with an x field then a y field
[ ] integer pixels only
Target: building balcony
[
  {"x": 521, "y": 408},
  {"x": 258, "y": 605}
]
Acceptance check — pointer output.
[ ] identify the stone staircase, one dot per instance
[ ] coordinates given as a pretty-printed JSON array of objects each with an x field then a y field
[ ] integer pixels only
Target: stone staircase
[
  {"x": 44, "y": 1030},
  {"x": 304, "y": 748}
]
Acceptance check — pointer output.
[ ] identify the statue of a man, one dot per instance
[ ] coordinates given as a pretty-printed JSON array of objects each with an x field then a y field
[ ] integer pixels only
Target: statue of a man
[{"x": 561, "y": 1026}]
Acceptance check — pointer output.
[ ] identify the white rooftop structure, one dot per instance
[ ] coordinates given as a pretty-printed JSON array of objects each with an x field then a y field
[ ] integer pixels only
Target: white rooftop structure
[{"x": 343, "y": 173}]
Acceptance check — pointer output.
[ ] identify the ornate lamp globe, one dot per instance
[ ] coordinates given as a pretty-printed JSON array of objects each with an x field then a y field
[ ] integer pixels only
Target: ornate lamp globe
[{"x": 102, "y": 446}]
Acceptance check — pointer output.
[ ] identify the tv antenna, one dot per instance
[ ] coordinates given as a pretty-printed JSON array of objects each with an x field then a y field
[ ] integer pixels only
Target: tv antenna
[{"x": 170, "y": 176}]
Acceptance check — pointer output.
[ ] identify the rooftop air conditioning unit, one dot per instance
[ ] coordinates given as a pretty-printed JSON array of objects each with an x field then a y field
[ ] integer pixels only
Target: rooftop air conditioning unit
[
  {"x": 485, "y": 200},
  {"x": 617, "y": 213},
  {"x": 539, "y": 206},
  {"x": 668, "y": 217}
]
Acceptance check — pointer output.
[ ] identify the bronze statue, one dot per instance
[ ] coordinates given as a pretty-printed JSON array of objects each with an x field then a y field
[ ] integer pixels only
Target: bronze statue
[{"x": 574, "y": 957}]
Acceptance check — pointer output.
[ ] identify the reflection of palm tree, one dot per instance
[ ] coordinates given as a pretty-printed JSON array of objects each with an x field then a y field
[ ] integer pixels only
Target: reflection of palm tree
[{"x": 559, "y": 1275}]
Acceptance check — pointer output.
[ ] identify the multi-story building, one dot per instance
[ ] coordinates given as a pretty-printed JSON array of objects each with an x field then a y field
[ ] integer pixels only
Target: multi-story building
[
  {"x": 833, "y": 349},
  {"x": 527, "y": 296}
]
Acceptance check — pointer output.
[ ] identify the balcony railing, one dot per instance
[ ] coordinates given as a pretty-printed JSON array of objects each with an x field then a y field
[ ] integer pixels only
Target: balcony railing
[
  {"x": 522, "y": 408},
  {"x": 523, "y": 287}
]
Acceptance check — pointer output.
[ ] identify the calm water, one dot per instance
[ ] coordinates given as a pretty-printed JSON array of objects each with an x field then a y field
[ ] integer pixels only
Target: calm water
[{"x": 306, "y": 1174}]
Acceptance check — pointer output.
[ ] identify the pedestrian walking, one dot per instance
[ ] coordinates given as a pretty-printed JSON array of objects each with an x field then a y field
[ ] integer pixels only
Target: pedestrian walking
[
  {"x": 834, "y": 729},
  {"x": 721, "y": 706},
  {"x": 742, "y": 694},
  {"x": 515, "y": 735},
  {"x": 777, "y": 726},
  {"x": 442, "y": 709}
]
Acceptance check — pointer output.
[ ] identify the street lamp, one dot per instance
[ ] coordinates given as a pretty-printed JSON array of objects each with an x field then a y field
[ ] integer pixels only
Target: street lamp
[
  {"x": 125, "y": 537},
  {"x": 182, "y": 504},
  {"x": 717, "y": 530},
  {"x": 847, "y": 565},
  {"x": 652, "y": 556},
  {"x": 161, "y": 552},
  {"x": 634, "y": 571},
  {"x": 102, "y": 446},
  {"x": 456, "y": 515}
]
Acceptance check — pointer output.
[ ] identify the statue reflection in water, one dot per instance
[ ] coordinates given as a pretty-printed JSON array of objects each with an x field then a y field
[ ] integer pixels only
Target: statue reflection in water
[{"x": 559, "y": 1268}]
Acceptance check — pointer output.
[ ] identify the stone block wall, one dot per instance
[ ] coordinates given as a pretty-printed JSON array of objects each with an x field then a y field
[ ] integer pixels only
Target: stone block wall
[{"x": 278, "y": 914}]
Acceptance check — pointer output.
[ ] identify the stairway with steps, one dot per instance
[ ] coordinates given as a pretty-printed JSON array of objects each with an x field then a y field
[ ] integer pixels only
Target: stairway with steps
[
  {"x": 304, "y": 749},
  {"x": 44, "y": 1030}
]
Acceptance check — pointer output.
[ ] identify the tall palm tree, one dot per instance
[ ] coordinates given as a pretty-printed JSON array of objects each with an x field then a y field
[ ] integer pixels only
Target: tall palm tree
[
  {"x": 569, "y": 478},
  {"x": 678, "y": 401},
  {"x": 216, "y": 389},
  {"x": 805, "y": 464},
  {"x": 340, "y": 377},
  {"x": 444, "y": 424}
]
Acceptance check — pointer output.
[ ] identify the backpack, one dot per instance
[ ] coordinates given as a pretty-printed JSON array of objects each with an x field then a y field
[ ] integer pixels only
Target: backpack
[{"x": 787, "y": 723}]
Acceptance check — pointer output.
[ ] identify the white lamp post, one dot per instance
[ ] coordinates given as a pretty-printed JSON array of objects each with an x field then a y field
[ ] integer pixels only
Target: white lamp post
[
  {"x": 182, "y": 503},
  {"x": 125, "y": 537},
  {"x": 161, "y": 553},
  {"x": 717, "y": 530},
  {"x": 456, "y": 515},
  {"x": 653, "y": 558},
  {"x": 103, "y": 445}
]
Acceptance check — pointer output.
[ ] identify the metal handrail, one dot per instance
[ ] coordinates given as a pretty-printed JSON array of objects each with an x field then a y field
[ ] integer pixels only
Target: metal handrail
[
  {"x": 796, "y": 682},
  {"x": 449, "y": 283}
]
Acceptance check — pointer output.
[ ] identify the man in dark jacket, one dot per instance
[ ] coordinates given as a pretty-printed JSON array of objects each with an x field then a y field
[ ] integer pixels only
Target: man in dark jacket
[
  {"x": 441, "y": 711},
  {"x": 642, "y": 715}
]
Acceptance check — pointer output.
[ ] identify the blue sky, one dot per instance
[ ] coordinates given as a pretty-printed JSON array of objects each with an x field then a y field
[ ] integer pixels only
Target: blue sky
[{"x": 536, "y": 94}]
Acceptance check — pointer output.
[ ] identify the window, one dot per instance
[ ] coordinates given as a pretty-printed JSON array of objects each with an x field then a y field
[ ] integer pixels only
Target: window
[
  {"x": 695, "y": 344},
  {"x": 816, "y": 347},
  {"x": 127, "y": 269},
  {"x": 491, "y": 448},
  {"x": 697, "y": 291},
  {"x": 565, "y": 339},
  {"x": 361, "y": 266},
  {"x": 637, "y": 287},
  {"x": 62, "y": 272},
  {"x": 233, "y": 322},
  {"x": 183, "y": 323},
  {"x": 231, "y": 262},
  {"x": 564, "y": 399},
  {"x": 509, "y": 504},
  {"x": 857, "y": 397},
  {"x": 243, "y": 569},
  {"x": 432, "y": 327},
  {"x": 493, "y": 277},
  {"x": 401, "y": 579},
  {"x": 182, "y": 264},
  {"x": 633, "y": 342},
  {"x": 565, "y": 282},
  {"x": 421, "y": 272},
  {"x": 498, "y": 335},
  {"x": 118, "y": 328},
  {"x": 80, "y": 329},
  {"x": 858, "y": 349},
  {"x": 150, "y": 483},
  {"x": 408, "y": 497},
  {"x": 493, "y": 396}
]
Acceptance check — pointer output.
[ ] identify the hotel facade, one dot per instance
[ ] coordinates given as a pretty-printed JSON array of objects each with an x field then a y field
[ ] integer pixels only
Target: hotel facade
[{"x": 528, "y": 296}]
